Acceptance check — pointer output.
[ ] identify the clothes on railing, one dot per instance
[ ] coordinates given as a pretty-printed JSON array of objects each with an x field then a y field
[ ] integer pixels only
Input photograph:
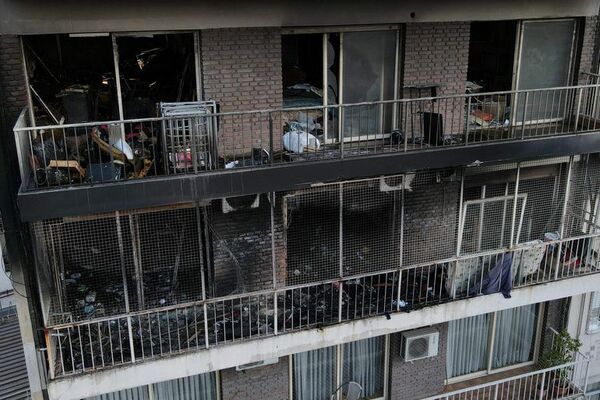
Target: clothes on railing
[{"x": 498, "y": 280}]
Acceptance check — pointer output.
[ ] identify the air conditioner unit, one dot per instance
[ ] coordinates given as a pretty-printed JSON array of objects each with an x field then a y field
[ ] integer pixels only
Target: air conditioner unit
[
  {"x": 420, "y": 343},
  {"x": 257, "y": 364}
]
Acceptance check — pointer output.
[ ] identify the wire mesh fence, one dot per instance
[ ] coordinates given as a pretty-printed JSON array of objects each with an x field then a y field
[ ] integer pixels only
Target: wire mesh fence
[{"x": 198, "y": 275}]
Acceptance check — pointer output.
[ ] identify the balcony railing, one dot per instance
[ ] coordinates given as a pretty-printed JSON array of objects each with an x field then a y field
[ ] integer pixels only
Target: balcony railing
[
  {"x": 190, "y": 143},
  {"x": 565, "y": 381},
  {"x": 98, "y": 343}
]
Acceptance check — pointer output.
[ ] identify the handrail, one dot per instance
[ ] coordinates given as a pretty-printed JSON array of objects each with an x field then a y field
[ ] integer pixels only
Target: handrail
[
  {"x": 506, "y": 380},
  {"x": 311, "y": 108}
]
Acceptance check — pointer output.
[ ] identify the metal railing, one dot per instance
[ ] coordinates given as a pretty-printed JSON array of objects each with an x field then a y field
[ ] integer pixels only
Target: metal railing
[
  {"x": 565, "y": 381},
  {"x": 107, "y": 151},
  {"x": 128, "y": 338}
]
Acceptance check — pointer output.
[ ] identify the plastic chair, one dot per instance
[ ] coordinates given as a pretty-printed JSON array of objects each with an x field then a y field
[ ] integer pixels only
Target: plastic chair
[{"x": 353, "y": 393}]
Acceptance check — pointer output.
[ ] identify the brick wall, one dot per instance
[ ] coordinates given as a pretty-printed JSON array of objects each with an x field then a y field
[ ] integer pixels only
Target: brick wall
[
  {"x": 438, "y": 53},
  {"x": 430, "y": 218},
  {"x": 12, "y": 80},
  {"x": 241, "y": 70},
  {"x": 268, "y": 382},
  {"x": 241, "y": 242},
  {"x": 590, "y": 30},
  {"x": 420, "y": 378}
]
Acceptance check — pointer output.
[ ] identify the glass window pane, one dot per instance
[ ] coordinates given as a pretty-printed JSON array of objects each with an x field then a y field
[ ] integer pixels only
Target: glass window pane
[
  {"x": 369, "y": 60},
  {"x": 514, "y": 340},
  {"x": 545, "y": 62},
  {"x": 364, "y": 364},
  {"x": 196, "y": 387},
  {"x": 468, "y": 345},
  {"x": 314, "y": 374}
]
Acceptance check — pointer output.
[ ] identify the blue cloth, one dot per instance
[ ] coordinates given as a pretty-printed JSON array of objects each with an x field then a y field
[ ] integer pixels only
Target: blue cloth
[{"x": 499, "y": 279}]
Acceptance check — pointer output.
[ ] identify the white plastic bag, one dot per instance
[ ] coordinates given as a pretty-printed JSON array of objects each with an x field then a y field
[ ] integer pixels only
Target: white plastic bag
[{"x": 299, "y": 141}]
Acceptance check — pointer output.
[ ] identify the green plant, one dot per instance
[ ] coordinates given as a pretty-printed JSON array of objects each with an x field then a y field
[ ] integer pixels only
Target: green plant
[{"x": 563, "y": 351}]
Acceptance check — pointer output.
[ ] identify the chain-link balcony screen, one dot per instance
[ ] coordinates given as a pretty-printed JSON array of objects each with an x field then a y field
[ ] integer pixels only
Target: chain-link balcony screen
[
  {"x": 112, "y": 264},
  {"x": 122, "y": 262}
]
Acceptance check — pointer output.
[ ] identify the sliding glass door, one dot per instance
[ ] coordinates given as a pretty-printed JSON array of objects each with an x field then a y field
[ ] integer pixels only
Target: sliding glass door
[
  {"x": 468, "y": 345},
  {"x": 545, "y": 60},
  {"x": 514, "y": 336},
  {"x": 319, "y": 374},
  {"x": 484, "y": 343},
  {"x": 368, "y": 75},
  {"x": 343, "y": 67}
]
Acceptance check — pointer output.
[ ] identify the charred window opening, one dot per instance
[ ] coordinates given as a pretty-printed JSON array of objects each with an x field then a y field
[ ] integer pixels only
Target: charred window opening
[
  {"x": 491, "y": 54},
  {"x": 71, "y": 78},
  {"x": 155, "y": 68}
]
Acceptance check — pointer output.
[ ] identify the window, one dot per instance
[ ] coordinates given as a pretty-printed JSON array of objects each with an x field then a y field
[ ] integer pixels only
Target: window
[
  {"x": 343, "y": 68},
  {"x": 317, "y": 374},
  {"x": 593, "y": 325},
  {"x": 195, "y": 387},
  {"x": 79, "y": 78},
  {"x": 483, "y": 343}
]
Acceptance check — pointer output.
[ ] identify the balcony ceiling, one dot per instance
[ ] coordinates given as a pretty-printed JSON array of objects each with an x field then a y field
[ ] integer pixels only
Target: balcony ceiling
[{"x": 59, "y": 16}]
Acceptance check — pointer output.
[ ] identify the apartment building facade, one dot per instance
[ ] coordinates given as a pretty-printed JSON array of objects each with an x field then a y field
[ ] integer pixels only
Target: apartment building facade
[{"x": 304, "y": 200}]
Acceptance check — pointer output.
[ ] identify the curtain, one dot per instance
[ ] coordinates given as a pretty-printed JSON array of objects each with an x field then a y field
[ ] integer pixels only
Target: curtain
[
  {"x": 196, "y": 387},
  {"x": 467, "y": 345},
  {"x": 136, "y": 393},
  {"x": 314, "y": 374},
  {"x": 364, "y": 364},
  {"x": 515, "y": 336}
]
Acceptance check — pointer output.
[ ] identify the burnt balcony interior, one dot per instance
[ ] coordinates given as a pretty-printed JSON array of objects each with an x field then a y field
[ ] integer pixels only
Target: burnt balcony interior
[
  {"x": 85, "y": 126},
  {"x": 143, "y": 283}
]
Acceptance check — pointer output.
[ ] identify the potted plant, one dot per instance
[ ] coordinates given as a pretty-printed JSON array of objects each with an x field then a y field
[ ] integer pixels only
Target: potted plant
[{"x": 563, "y": 351}]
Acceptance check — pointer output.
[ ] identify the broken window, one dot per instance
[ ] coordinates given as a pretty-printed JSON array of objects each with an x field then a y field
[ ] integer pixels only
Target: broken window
[
  {"x": 321, "y": 69},
  {"x": 491, "y": 55},
  {"x": 155, "y": 68},
  {"x": 71, "y": 78}
]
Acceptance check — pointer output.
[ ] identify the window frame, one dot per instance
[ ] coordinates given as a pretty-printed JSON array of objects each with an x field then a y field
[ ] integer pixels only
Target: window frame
[
  {"x": 594, "y": 298},
  {"x": 491, "y": 339},
  {"x": 339, "y": 135},
  {"x": 339, "y": 366}
]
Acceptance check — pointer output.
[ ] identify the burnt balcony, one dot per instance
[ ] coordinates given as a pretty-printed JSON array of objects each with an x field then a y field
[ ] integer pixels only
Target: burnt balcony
[
  {"x": 192, "y": 151},
  {"x": 139, "y": 285}
]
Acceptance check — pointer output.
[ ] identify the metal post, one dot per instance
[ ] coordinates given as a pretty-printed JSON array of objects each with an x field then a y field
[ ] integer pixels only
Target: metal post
[
  {"x": 118, "y": 84},
  {"x": 275, "y": 317},
  {"x": 205, "y": 308},
  {"x": 271, "y": 138},
  {"x": 273, "y": 257},
  {"x": 564, "y": 215},
  {"x": 340, "y": 290},
  {"x": 578, "y": 110},
  {"x": 514, "y": 210},
  {"x": 201, "y": 246},
  {"x": 399, "y": 289},
  {"x": 341, "y": 230},
  {"x": 468, "y": 122},
  {"x": 130, "y": 333},
  {"x": 524, "y": 113}
]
